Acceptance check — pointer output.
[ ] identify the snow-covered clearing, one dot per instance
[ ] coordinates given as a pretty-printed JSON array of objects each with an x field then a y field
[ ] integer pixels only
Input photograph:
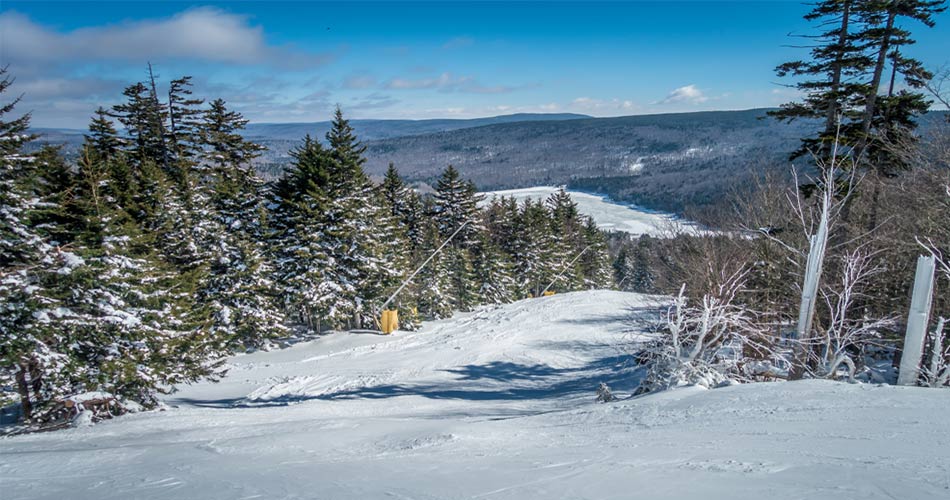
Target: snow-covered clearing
[
  {"x": 493, "y": 404},
  {"x": 609, "y": 215}
]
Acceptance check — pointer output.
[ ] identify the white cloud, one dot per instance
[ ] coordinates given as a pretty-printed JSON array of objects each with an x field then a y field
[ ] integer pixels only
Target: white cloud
[
  {"x": 203, "y": 34},
  {"x": 689, "y": 94},
  {"x": 448, "y": 82},
  {"x": 597, "y": 106}
]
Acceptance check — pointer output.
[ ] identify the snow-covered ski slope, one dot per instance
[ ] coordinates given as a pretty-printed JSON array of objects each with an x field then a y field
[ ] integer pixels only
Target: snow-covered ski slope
[
  {"x": 608, "y": 215},
  {"x": 494, "y": 404}
]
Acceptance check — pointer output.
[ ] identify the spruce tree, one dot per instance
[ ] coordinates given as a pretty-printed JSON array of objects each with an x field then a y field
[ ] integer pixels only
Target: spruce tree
[
  {"x": 434, "y": 290},
  {"x": 143, "y": 117},
  {"x": 534, "y": 245},
  {"x": 185, "y": 130},
  {"x": 846, "y": 74},
  {"x": 492, "y": 273},
  {"x": 362, "y": 236},
  {"x": 29, "y": 363},
  {"x": 890, "y": 117},
  {"x": 594, "y": 264},
  {"x": 456, "y": 202},
  {"x": 835, "y": 88},
  {"x": 301, "y": 200},
  {"x": 103, "y": 138}
]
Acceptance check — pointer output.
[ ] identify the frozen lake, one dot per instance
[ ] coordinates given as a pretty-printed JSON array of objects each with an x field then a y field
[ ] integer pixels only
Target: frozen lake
[{"x": 608, "y": 215}]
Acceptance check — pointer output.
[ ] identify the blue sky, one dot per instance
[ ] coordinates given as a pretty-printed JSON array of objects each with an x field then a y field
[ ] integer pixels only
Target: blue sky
[{"x": 294, "y": 61}]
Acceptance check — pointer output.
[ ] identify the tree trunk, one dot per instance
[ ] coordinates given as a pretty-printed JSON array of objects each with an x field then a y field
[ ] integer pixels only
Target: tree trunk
[
  {"x": 24, "y": 389},
  {"x": 871, "y": 101},
  {"x": 831, "y": 118}
]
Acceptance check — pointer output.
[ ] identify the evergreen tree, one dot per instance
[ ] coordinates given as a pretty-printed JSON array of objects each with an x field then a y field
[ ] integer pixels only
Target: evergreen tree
[
  {"x": 623, "y": 268},
  {"x": 224, "y": 147},
  {"x": 835, "y": 90},
  {"x": 143, "y": 117},
  {"x": 362, "y": 236},
  {"x": 301, "y": 200},
  {"x": 185, "y": 130},
  {"x": 456, "y": 202},
  {"x": 567, "y": 228},
  {"x": 642, "y": 276},
  {"x": 492, "y": 273},
  {"x": 533, "y": 245},
  {"x": 103, "y": 138},
  {"x": 846, "y": 74},
  {"x": 891, "y": 117},
  {"x": 240, "y": 289},
  {"x": 594, "y": 264},
  {"x": 29, "y": 363},
  {"x": 434, "y": 293}
]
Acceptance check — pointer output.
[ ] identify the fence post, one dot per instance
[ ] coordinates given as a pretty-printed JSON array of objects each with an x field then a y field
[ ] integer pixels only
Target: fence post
[{"x": 917, "y": 320}]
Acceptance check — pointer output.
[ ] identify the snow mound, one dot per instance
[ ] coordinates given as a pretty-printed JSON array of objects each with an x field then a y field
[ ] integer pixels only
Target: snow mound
[{"x": 498, "y": 403}]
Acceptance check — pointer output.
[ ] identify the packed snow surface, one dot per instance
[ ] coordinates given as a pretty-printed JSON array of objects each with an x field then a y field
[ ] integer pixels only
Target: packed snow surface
[
  {"x": 608, "y": 215},
  {"x": 494, "y": 404}
]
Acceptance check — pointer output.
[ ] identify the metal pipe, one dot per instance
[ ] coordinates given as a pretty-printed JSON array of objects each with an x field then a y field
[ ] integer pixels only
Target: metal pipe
[{"x": 413, "y": 275}]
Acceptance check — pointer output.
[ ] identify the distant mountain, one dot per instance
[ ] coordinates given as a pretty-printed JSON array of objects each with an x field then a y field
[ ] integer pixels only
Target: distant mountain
[
  {"x": 369, "y": 130},
  {"x": 664, "y": 161}
]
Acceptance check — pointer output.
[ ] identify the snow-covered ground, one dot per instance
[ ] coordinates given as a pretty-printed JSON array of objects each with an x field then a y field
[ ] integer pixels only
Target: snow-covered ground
[
  {"x": 607, "y": 214},
  {"x": 498, "y": 403}
]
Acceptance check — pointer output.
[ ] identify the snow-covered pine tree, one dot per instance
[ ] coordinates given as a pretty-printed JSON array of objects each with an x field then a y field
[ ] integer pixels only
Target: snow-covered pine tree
[
  {"x": 29, "y": 363},
  {"x": 116, "y": 306},
  {"x": 241, "y": 289},
  {"x": 404, "y": 210},
  {"x": 301, "y": 200},
  {"x": 455, "y": 202},
  {"x": 642, "y": 276},
  {"x": 143, "y": 117},
  {"x": 433, "y": 285},
  {"x": 492, "y": 273},
  {"x": 361, "y": 234},
  {"x": 533, "y": 247},
  {"x": 568, "y": 241},
  {"x": 594, "y": 264},
  {"x": 623, "y": 266},
  {"x": 404, "y": 204}
]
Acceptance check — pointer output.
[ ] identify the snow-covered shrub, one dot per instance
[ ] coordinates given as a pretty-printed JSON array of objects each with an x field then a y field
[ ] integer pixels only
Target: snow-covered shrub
[
  {"x": 936, "y": 369},
  {"x": 842, "y": 338},
  {"x": 604, "y": 395},
  {"x": 708, "y": 343}
]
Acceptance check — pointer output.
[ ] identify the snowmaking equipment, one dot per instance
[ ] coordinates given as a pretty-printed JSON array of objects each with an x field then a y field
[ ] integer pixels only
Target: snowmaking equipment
[{"x": 389, "y": 320}]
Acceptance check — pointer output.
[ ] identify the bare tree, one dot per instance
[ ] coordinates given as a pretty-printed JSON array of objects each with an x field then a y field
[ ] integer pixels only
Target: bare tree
[{"x": 845, "y": 335}]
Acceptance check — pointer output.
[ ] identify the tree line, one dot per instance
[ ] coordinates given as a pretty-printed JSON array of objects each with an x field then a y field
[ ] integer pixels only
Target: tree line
[{"x": 161, "y": 250}]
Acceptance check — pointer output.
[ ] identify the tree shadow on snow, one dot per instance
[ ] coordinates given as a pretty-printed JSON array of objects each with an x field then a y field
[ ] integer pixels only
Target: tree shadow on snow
[{"x": 504, "y": 381}]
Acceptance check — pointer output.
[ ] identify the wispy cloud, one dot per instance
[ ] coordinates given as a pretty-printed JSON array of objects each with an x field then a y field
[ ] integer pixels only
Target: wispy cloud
[
  {"x": 375, "y": 100},
  {"x": 201, "y": 34},
  {"x": 689, "y": 94},
  {"x": 359, "y": 81},
  {"x": 449, "y": 82},
  {"x": 599, "y": 106}
]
